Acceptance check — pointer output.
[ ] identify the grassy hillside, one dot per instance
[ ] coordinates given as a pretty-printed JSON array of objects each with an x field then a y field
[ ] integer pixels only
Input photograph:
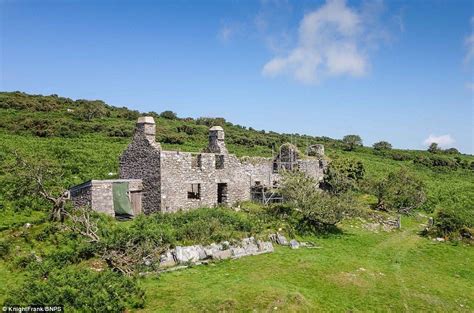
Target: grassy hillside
[{"x": 357, "y": 270}]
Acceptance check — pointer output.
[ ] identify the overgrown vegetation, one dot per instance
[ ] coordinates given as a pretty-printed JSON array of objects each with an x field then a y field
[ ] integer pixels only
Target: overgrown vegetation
[{"x": 66, "y": 142}]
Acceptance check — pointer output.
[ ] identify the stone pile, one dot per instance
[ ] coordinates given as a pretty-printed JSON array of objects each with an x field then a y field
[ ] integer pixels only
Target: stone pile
[{"x": 198, "y": 254}]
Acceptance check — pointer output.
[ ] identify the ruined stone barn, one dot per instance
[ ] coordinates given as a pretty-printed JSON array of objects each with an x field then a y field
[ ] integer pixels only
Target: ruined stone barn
[{"x": 175, "y": 180}]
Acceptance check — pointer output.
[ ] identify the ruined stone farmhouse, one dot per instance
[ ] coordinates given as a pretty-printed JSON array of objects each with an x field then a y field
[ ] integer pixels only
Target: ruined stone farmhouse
[{"x": 156, "y": 180}]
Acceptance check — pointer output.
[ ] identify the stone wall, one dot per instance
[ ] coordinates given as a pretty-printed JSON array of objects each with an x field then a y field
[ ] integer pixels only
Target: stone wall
[
  {"x": 179, "y": 171},
  {"x": 141, "y": 160},
  {"x": 313, "y": 168},
  {"x": 174, "y": 180},
  {"x": 98, "y": 194}
]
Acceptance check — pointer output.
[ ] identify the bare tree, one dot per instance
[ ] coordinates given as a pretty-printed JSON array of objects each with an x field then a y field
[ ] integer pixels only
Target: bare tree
[{"x": 36, "y": 177}]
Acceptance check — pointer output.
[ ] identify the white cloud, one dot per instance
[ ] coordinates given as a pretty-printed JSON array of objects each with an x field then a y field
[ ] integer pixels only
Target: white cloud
[
  {"x": 228, "y": 31},
  {"x": 444, "y": 141},
  {"x": 225, "y": 33},
  {"x": 332, "y": 40},
  {"x": 469, "y": 42}
]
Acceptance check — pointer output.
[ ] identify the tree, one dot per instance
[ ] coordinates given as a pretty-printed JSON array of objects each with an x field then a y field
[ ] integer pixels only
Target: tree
[
  {"x": 342, "y": 175},
  {"x": 351, "y": 142},
  {"x": 40, "y": 178},
  {"x": 382, "y": 145},
  {"x": 315, "y": 208},
  {"x": 88, "y": 110},
  {"x": 399, "y": 191},
  {"x": 433, "y": 148},
  {"x": 170, "y": 115}
]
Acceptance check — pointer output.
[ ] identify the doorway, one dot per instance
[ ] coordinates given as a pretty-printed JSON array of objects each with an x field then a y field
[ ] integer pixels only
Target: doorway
[{"x": 221, "y": 193}]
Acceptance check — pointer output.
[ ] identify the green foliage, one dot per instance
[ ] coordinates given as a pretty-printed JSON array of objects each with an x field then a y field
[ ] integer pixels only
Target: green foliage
[
  {"x": 433, "y": 148},
  {"x": 197, "y": 226},
  {"x": 211, "y": 121},
  {"x": 382, "y": 145},
  {"x": 456, "y": 219},
  {"x": 342, "y": 175},
  {"x": 400, "y": 191},
  {"x": 452, "y": 151},
  {"x": 316, "y": 210},
  {"x": 352, "y": 142},
  {"x": 170, "y": 115},
  {"x": 80, "y": 289},
  {"x": 88, "y": 110}
]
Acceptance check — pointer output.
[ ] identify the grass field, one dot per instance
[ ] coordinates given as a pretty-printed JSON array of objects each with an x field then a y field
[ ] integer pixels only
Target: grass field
[{"x": 357, "y": 271}]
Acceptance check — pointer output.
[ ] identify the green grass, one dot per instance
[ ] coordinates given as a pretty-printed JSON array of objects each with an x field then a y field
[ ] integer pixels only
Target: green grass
[
  {"x": 358, "y": 271},
  {"x": 402, "y": 271}
]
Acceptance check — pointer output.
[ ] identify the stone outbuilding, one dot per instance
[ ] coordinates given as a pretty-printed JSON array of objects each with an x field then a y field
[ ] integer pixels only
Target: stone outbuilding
[
  {"x": 116, "y": 197},
  {"x": 175, "y": 180}
]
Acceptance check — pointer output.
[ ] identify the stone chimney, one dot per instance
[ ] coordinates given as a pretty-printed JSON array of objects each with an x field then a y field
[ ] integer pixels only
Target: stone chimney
[
  {"x": 316, "y": 150},
  {"x": 146, "y": 125},
  {"x": 216, "y": 140}
]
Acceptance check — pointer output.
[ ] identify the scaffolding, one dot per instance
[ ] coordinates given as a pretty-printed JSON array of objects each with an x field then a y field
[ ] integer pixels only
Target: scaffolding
[{"x": 266, "y": 195}]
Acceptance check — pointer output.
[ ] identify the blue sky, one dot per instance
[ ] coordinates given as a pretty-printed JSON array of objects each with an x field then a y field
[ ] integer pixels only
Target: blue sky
[{"x": 401, "y": 71}]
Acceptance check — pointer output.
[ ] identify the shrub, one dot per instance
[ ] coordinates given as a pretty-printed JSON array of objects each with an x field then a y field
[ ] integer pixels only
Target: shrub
[
  {"x": 316, "y": 209},
  {"x": 433, "y": 148},
  {"x": 382, "y": 145},
  {"x": 452, "y": 151},
  {"x": 80, "y": 289},
  {"x": 170, "y": 115},
  {"x": 173, "y": 139},
  {"x": 351, "y": 142},
  {"x": 211, "y": 121},
  {"x": 88, "y": 110},
  {"x": 456, "y": 219},
  {"x": 4, "y": 249},
  {"x": 400, "y": 191},
  {"x": 342, "y": 175},
  {"x": 189, "y": 130}
]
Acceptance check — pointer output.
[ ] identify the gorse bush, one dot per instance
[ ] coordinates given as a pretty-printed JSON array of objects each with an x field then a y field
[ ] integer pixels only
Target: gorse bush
[
  {"x": 80, "y": 290},
  {"x": 382, "y": 145},
  {"x": 457, "y": 219}
]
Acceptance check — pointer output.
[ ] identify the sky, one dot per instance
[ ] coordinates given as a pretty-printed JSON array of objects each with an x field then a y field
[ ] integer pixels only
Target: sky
[{"x": 400, "y": 71}]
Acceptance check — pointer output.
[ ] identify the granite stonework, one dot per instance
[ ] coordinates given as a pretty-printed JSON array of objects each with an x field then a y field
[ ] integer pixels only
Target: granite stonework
[
  {"x": 142, "y": 160},
  {"x": 174, "y": 180}
]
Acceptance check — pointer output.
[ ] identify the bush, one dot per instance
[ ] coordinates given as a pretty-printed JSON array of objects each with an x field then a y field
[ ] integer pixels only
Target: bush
[
  {"x": 170, "y": 115},
  {"x": 80, "y": 289},
  {"x": 456, "y": 219},
  {"x": 342, "y": 175},
  {"x": 89, "y": 110},
  {"x": 173, "y": 139},
  {"x": 211, "y": 121},
  {"x": 316, "y": 209},
  {"x": 400, "y": 191},
  {"x": 382, "y": 145},
  {"x": 433, "y": 148}
]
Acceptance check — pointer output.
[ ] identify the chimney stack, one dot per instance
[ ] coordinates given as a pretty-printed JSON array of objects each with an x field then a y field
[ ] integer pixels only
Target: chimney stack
[
  {"x": 216, "y": 140},
  {"x": 146, "y": 125}
]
